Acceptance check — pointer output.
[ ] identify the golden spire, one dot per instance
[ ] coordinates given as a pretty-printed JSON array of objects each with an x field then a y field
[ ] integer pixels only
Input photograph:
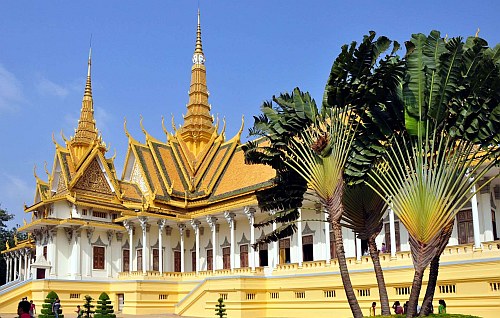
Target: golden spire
[
  {"x": 198, "y": 48},
  {"x": 198, "y": 122},
  {"x": 87, "y": 95},
  {"x": 86, "y": 133}
]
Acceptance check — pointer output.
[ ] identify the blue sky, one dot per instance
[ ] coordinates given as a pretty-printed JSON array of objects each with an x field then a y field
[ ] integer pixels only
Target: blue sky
[{"x": 142, "y": 58}]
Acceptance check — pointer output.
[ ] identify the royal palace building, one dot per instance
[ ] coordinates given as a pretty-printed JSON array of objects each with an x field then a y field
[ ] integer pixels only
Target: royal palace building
[{"x": 175, "y": 231}]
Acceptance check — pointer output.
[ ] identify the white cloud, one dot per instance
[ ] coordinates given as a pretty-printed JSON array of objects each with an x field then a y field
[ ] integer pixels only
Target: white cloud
[
  {"x": 47, "y": 87},
  {"x": 10, "y": 91}
]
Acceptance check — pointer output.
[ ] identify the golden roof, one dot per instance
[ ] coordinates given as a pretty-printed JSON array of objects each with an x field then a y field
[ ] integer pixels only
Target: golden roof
[{"x": 195, "y": 171}]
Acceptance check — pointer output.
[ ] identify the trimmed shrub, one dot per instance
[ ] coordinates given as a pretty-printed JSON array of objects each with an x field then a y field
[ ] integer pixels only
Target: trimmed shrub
[
  {"x": 220, "y": 310},
  {"x": 104, "y": 307},
  {"x": 46, "y": 311},
  {"x": 87, "y": 307}
]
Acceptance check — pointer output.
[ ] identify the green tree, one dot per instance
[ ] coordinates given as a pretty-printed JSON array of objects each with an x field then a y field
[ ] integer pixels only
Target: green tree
[
  {"x": 364, "y": 210},
  {"x": 325, "y": 150},
  {"x": 6, "y": 235},
  {"x": 87, "y": 307},
  {"x": 46, "y": 311},
  {"x": 367, "y": 81},
  {"x": 104, "y": 307},
  {"x": 452, "y": 113},
  {"x": 220, "y": 308}
]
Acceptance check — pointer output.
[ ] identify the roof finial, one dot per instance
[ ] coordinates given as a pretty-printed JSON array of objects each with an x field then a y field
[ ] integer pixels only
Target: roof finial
[
  {"x": 88, "y": 86},
  {"x": 198, "y": 48},
  {"x": 477, "y": 33}
]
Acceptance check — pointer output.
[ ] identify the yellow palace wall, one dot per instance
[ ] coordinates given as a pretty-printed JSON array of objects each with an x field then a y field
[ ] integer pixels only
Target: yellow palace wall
[{"x": 469, "y": 281}]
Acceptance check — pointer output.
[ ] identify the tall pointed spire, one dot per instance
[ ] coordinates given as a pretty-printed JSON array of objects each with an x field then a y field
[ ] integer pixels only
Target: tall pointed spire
[
  {"x": 88, "y": 85},
  {"x": 86, "y": 133},
  {"x": 198, "y": 48},
  {"x": 198, "y": 125}
]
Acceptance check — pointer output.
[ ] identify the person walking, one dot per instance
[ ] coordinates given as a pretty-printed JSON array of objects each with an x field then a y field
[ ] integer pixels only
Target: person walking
[
  {"x": 56, "y": 305},
  {"x": 79, "y": 312},
  {"x": 372, "y": 309},
  {"x": 442, "y": 307},
  {"x": 23, "y": 309},
  {"x": 32, "y": 309},
  {"x": 398, "y": 310}
]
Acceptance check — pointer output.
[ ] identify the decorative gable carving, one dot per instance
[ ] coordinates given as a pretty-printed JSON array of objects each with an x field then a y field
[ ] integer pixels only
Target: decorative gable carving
[
  {"x": 93, "y": 180},
  {"x": 244, "y": 240},
  {"x": 136, "y": 177},
  {"x": 61, "y": 185},
  {"x": 99, "y": 242},
  {"x": 307, "y": 230},
  {"x": 225, "y": 243}
]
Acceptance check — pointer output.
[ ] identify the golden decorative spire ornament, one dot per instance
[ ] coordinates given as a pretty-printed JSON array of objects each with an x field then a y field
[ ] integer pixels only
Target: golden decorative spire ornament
[
  {"x": 86, "y": 134},
  {"x": 198, "y": 126}
]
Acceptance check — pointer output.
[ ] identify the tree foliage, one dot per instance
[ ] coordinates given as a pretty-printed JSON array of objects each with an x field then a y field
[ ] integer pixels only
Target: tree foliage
[
  {"x": 88, "y": 312},
  {"x": 46, "y": 311},
  {"x": 220, "y": 308},
  {"x": 451, "y": 104},
  {"x": 6, "y": 235},
  {"x": 104, "y": 308}
]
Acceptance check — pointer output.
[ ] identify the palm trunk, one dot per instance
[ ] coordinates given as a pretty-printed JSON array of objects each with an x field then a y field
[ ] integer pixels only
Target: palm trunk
[
  {"x": 344, "y": 272},
  {"x": 384, "y": 299},
  {"x": 434, "y": 270},
  {"x": 431, "y": 286},
  {"x": 415, "y": 292}
]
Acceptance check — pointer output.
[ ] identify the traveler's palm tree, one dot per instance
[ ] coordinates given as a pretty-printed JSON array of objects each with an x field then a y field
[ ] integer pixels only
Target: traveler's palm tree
[
  {"x": 323, "y": 151},
  {"x": 426, "y": 174},
  {"x": 363, "y": 213}
]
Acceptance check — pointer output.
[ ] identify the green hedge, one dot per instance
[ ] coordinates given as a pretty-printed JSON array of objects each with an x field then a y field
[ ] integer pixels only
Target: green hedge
[
  {"x": 104, "y": 307},
  {"x": 46, "y": 311}
]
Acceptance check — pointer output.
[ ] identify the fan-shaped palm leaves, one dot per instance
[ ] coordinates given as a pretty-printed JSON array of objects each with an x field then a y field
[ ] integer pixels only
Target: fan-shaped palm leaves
[
  {"x": 322, "y": 150},
  {"x": 451, "y": 115}
]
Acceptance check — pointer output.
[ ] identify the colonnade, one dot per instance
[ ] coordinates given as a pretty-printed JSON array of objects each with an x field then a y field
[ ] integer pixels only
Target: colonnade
[{"x": 18, "y": 264}]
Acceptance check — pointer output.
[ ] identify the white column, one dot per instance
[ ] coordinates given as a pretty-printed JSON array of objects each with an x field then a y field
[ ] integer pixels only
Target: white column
[
  {"x": 328, "y": 256},
  {"x": 181, "y": 231},
  {"x": 51, "y": 250},
  {"x": 275, "y": 249},
  {"x": 250, "y": 212},
  {"x": 196, "y": 226},
  {"x": 475, "y": 220},
  {"x": 300, "y": 255},
  {"x": 230, "y": 220},
  {"x": 11, "y": 267},
  {"x": 109, "y": 256},
  {"x": 168, "y": 248},
  {"x": 359, "y": 252},
  {"x": 485, "y": 203},
  {"x": 161, "y": 226},
  {"x": 145, "y": 250},
  {"x": 130, "y": 229},
  {"x": 212, "y": 222},
  {"x": 90, "y": 232},
  {"x": 20, "y": 265},
  {"x": 392, "y": 229},
  {"x": 15, "y": 267},
  {"x": 26, "y": 253},
  {"x": 77, "y": 251},
  {"x": 7, "y": 267}
]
